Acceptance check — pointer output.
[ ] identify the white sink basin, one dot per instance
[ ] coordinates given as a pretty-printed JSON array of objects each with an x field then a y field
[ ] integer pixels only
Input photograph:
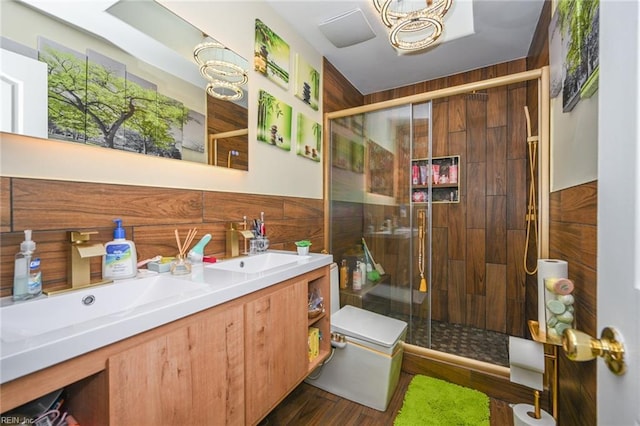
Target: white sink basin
[
  {"x": 44, "y": 315},
  {"x": 257, "y": 263}
]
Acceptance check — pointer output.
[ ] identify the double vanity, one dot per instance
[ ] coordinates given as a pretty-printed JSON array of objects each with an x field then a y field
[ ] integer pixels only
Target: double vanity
[{"x": 223, "y": 345}]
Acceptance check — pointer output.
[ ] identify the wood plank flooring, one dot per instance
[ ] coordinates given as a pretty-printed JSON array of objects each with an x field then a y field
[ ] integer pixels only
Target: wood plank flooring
[{"x": 310, "y": 406}]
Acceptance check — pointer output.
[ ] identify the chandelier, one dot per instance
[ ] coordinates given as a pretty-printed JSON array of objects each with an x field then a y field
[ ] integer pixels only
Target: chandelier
[
  {"x": 218, "y": 65},
  {"x": 414, "y": 25}
]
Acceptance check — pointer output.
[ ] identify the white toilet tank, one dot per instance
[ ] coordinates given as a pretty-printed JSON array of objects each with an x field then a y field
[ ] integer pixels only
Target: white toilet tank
[
  {"x": 335, "y": 288},
  {"x": 366, "y": 370}
]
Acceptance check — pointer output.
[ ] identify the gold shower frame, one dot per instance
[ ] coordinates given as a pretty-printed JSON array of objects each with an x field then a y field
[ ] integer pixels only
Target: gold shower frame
[{"x": 539, "y": 75}]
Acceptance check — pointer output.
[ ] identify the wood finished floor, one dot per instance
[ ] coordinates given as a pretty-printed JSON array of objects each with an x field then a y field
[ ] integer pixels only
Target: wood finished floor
[{"x": 309, "y": 406}]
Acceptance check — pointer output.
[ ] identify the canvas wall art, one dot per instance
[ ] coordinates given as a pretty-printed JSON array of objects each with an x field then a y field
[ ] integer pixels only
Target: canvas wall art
[
  {"x": 271, "y": 55},
  {"x": 573, "y": 51},
  {"x": 307, "y": 83},
  {"x": 274, "y": 121},
  {"x": 108, "y": 106},
  {"x": 309, "y": 140}
]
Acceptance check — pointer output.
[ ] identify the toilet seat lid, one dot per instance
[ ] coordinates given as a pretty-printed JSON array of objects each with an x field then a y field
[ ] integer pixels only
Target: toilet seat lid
[{"x": 368, "y": 326}]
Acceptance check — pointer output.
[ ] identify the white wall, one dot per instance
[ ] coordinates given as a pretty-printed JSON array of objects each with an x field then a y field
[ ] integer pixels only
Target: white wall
[{"x": 272, "y": 170}]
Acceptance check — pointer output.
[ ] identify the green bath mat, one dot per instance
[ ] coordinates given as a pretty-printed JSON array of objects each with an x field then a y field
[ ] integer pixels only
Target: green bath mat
[{"x": 434, "y": 402}]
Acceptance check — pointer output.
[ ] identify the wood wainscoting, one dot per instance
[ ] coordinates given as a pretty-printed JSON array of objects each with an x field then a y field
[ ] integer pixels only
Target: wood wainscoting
[{"x": 150, "y": 215}]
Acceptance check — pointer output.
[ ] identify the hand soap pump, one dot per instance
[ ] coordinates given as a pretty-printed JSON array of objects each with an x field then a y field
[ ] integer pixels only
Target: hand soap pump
[
  {"x": 120, "y": 260},
  {"x": 27, "y": 278}
]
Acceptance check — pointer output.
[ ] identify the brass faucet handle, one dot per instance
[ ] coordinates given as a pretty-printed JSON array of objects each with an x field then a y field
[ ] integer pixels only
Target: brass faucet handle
[{"x": 81, "y": 237}]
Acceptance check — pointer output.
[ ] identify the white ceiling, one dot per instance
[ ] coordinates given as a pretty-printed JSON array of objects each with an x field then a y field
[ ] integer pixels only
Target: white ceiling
[{"x": 501, "y": 31}]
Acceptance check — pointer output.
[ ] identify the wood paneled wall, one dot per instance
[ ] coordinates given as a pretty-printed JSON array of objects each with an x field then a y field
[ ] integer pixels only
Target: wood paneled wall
[
  {"x": 150, "y": 215},
  {"x": 573, "y": 237},
  {"x": 338, "y": 93}
]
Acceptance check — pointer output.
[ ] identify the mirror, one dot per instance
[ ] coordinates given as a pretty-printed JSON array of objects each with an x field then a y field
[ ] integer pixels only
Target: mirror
[{"x": 141, "y": 89}]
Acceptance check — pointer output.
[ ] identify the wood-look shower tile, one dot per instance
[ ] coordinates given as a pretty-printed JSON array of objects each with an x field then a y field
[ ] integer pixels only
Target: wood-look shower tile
[
  {"x": 456, "y": 291},
  {"x": 496, "y": 107},
  {"x": 517, "y": 146},
  {"x": 476, "y": 195},
  {"x": 496, "y": 229},
  {"x": 440, "y": 129},
  {"x": 516, "y": 276},
  {"x": 497, "y": 161},
  {"x": 439, "y": 305},
  {"x": 475, "y": 262},
  {"x": 496, "y": 297},
  {"x": 517, "y": 194},
  {"x": 439, "y": 258},
  {"x": 476, "y": 311},
  {"x": 476, "y": 114},
  {"x": 457, "y": 113},
  {"x": 516, "y": 323},
  {"x": 457, "y": 230}
]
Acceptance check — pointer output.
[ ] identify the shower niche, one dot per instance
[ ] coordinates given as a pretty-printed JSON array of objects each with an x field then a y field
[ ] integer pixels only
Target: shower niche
[{"x": 435, "y": 179}]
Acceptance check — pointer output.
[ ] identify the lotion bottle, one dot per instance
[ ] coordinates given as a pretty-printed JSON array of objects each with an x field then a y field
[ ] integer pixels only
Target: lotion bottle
[{"x": 121, "y": 259}]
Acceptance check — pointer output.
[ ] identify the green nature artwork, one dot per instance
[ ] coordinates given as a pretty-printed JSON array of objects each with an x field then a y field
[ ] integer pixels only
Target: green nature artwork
[
  {"x": 307, "y": 83},
  {"x": 309, "y": 138},
  {"x": 94, "y": 100},
  {"x": 271, "y": 55},
  {"x": 574, "y": 52},
  {"x": 274, "y": 121}
]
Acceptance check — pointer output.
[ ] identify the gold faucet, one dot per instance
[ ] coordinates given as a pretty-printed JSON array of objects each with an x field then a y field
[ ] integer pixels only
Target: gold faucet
[
  {"x": 233, "y": 235},
  {"x": 79, "y": 270}
]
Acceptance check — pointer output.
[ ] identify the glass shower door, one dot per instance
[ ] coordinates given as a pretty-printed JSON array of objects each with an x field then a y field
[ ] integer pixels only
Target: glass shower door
[{"x": 373, "y": 217}]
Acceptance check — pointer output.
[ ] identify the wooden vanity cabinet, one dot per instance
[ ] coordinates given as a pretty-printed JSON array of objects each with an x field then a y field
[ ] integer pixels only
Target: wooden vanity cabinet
[
  {"x": 190, "y": 376},
  {"x": 228, "y": 365},
  {"x": 275, "y": 347}
]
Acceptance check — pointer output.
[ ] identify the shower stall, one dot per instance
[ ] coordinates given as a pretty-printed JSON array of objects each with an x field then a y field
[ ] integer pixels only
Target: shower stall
[{"x": 429, "y": 192}]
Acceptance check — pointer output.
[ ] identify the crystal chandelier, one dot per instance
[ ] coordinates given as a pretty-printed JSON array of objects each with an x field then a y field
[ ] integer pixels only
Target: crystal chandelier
[
  {"x": 218, "y": 65},
  {"x": 414, "y": 25}
]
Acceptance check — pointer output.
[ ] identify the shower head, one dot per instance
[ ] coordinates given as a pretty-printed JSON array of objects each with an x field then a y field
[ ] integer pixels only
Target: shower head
[{"x": 477, "y": 96}]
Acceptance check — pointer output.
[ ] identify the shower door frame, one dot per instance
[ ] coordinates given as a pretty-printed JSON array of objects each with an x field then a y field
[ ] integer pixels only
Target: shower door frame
[{"x": 541, "y": 75}]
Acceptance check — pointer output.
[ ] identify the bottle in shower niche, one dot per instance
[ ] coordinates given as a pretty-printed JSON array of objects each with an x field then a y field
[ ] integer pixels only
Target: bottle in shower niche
[
  {"x": 453, "y": 171},
  {"x": 27, "y": 277},
  {"x": 357, "y": 277}
]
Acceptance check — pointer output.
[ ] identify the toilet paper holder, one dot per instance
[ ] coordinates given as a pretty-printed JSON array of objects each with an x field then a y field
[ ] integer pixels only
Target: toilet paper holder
[{"x": 579, "y": 346}]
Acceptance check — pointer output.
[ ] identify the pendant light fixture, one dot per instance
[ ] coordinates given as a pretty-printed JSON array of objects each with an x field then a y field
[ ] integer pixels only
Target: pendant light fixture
[
  {"x": 414, "y": 25},
  {"x": 219, "y": 66}
]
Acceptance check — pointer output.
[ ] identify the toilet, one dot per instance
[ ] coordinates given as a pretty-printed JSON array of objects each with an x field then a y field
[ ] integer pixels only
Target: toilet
[{"x": 367, "y": 356}]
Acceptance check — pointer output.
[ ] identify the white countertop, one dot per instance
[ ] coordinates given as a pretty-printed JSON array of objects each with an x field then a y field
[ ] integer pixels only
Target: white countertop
[{"x": 24, "y": 351}]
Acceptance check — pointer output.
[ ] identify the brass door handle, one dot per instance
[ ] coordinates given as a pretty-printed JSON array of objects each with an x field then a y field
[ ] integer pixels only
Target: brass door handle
[{"x": 579, "y": 346}]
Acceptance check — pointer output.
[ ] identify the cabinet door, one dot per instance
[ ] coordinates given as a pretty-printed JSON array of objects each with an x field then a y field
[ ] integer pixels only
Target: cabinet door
[
  {"x": 193, "y": 375},
  {"x": 276, "y": 347}
]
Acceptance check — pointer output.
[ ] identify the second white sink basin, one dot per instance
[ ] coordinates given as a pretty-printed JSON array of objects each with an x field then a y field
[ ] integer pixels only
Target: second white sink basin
[
  {"x": 47, "y": 314},
  {"x": 257, "y": 263}
]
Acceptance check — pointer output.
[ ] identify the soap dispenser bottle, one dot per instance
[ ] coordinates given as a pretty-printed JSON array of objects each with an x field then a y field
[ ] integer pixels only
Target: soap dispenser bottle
[
  {"x": 27, "y": 278},
  {"x": 120, "y": 260}
]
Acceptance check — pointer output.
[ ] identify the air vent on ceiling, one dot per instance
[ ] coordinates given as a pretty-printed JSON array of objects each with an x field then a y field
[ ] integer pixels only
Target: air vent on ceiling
[{"x": 347, "y": 29}]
